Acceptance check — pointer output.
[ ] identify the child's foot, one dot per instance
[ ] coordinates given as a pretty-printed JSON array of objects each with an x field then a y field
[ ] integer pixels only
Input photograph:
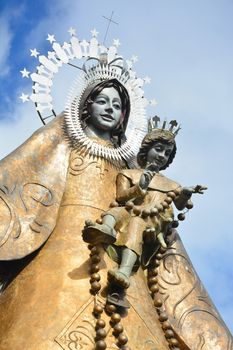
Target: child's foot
[
  {"x": 119, "y": 278},
  {"x": 95, "y": 233}
]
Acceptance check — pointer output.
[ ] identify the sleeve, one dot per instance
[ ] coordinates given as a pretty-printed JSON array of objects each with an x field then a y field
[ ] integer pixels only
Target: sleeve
[{"x": 125, "y": 190}]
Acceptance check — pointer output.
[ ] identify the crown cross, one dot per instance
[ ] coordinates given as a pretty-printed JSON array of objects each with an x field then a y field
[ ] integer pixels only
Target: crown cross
[{"x": 155, "y": 123}]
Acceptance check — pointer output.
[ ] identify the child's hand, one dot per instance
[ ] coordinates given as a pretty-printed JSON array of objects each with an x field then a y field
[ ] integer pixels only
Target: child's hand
[
  {"x": 145, "y": 179},
  {"x": 188, "y": 191}
]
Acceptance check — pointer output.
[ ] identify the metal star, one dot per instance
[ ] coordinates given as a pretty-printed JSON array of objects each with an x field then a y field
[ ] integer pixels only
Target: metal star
[
  {"x": 153, "y": 102},
  {"x": 25, "y": 73},
  {"x": 94, "y": 32},
  {"x": 134, "y": 58},
  {"x": 24, "y": 97},
  {"x": 72, "y": 31},
  {"x": 50, "y": 38},
  {"x": 116, "y": 42},
  {"x": 147, "y": 80},
  {"x": 34, "y": 52}
]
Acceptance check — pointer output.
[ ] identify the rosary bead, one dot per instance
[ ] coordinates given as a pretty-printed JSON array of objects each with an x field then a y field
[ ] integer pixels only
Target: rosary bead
[
  {"x": 181, "y": 216},
  {"x": 175, "y": 224},
  {"x": 166, "y": 325},
  {"x": 95, "y": 268},
  {"x": 100, "y": 324},
  {"x": 101, "y": 333},
  {"x": 168, "y": 200},
  {"x": 158, "y": 302},
  {"x": 163, "y": 317},
  {"x": 95, "y": 277},
  {"x": 100, "y": 345},
  {"x": 110, "y": 308},
  {"x": 95, "y": 286},
  {"x": 177, "y": 191},
  {"x": 159, "y": 256},
  {"x": 154, "y": 212},
  {"x": 173, "y": 342},
  {"x": 118, "y": 328},
  {"x": 129, "y": 205},
  {"x": 95, "y": 250},
  {"x": 160, "y": 208},
  {"x": 156, "y": 263},
  {"x": 165, "y": 205},
  {"x": 162, "y": 250},
  {"x": 153, "y": 272},
  {"x": 169, "y": 333},
  {"x": 99, "y": 221},
  {"x": 171, "y": 195},
  {"x": 98, "y": 309},
  {"x": 154, "y": 288},
  {"x": 122, "y": 339},
  {"x": 136, "y": 211},
  {"x": 189, "y": 205},
  {"x": 95, "y": 258},
  {"x": 145, "y": 213},
  {"x": 115, "y": 318},
  {"x": 152, "y": 280}
]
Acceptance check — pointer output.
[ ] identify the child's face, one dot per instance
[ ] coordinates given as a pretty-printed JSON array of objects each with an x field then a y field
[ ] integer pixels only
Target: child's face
[{"x": 159, "y": 154}]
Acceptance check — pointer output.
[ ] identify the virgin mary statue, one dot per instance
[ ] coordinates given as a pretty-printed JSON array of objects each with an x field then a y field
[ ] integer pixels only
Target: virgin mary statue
[{"x": 53, "y": 285}]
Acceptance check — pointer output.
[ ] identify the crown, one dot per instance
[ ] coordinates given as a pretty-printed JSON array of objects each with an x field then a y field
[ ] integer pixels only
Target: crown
[{"x": 172, "y": 127}]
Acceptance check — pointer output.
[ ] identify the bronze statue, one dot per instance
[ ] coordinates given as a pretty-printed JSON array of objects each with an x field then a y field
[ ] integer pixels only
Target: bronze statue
[{"x": 54, "y": 286}]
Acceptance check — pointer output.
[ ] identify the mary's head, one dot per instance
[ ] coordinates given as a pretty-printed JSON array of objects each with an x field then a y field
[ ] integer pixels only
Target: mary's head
[{"x": 105, "y": 110}]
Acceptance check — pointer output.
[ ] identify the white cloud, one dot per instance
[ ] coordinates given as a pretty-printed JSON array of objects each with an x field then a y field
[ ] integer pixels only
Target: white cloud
[{"x": 6, "y": 38}]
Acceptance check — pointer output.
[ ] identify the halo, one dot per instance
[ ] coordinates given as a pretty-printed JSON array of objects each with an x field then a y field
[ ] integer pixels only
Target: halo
[{"x": 83, "y": 50}]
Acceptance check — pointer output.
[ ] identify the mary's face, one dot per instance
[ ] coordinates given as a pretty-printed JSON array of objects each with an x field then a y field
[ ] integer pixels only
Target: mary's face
[{"x": 106, "y": 110}]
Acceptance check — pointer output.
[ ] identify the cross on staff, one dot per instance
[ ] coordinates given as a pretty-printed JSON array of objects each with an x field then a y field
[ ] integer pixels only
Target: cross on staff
[{"x": 109, "y": 22}]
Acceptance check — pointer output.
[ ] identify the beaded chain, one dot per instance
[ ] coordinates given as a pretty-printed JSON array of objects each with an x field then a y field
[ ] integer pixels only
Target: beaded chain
[{"x": 111, "y": 309}]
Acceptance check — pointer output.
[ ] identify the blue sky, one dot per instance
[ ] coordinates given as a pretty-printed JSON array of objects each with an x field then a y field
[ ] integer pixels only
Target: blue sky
[{"x": 186, "y": 47}]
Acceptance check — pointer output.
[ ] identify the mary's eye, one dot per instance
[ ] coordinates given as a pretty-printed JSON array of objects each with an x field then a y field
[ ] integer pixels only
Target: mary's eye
[
  {"x": 100, "y": 102},
  {"x": 117, "y": 106}
]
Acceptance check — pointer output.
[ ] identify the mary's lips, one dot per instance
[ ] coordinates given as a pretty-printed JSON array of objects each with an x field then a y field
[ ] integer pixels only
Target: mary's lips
[{"x": 107, "y": 117}]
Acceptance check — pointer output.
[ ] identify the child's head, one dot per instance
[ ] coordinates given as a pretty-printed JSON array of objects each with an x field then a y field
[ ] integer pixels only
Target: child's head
[{"x": 158, "y": 147}]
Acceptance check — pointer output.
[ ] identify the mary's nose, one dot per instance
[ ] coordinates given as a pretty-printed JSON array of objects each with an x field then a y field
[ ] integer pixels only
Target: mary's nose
[{"x": 109, "y": 108}]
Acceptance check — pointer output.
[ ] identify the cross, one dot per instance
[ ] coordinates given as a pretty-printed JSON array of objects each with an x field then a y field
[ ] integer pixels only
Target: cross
[
  {"x": 173, "y": 123},
  {"x": 109, "y": 22}
]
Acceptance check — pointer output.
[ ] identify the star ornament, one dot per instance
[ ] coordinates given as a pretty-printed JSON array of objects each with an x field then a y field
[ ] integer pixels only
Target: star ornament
[
  {"x": 25, "y": 73},
  {"x": 51, "y": 38},
  {"x": 153, "y": 102},
  {"x": 94, "y": 33},
  {"x": 116, "y": 42},
  {"x": 34, "y": 52},
  {"x": 24, "y": 97},
  {"x": 72, "y": 31},
  {"x": 134, "y": 58},
  {"x": 147, "y": 80}
]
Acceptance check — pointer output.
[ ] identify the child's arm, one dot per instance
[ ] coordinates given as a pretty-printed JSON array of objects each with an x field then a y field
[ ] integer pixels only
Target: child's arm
[
  {"x": 126, "y": 191},
  {"x": 185, "y": 195}
]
